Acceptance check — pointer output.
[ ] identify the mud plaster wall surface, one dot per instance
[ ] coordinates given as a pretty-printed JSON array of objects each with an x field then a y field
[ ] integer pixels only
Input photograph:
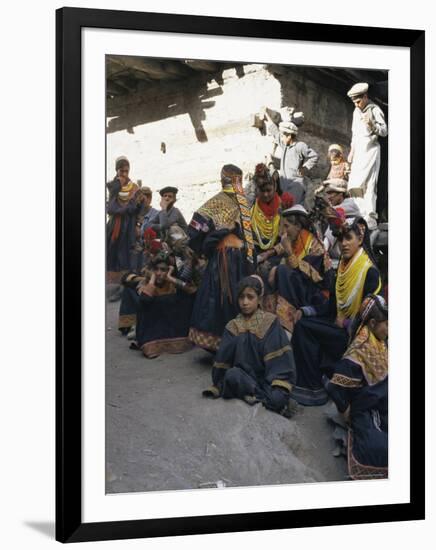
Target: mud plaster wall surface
[{"x": 206, "y": 122}]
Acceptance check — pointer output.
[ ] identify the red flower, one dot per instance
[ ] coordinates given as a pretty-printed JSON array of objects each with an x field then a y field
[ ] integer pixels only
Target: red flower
[
  {"x": 341, "y": 212},
  {"x": 155, "y": 246},
  {"x": 288, "y": 200},
  {"x": 149, "y": 234},
  {"x": 340, "y": 217}
]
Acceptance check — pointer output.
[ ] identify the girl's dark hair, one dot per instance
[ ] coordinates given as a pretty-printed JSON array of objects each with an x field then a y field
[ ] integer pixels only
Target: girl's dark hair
[
  {"x": 360, "y": 228},
  {"x": 301, "y": 219},
  {"x": 373, "y": 307},
  {"x": 262, "y": 176},
  {"x": 121, "y": 163},
  {"x": 250, "y": 282},
  {"x": 160, "y": 258}
]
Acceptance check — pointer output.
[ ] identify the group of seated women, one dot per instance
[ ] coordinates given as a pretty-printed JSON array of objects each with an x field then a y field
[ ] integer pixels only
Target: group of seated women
[{"x": 303, "y": 333}]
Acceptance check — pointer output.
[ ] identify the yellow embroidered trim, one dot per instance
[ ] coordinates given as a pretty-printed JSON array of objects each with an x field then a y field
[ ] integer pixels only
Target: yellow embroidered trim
[
  {"x": 282, "y": 384},
  {"x": 310, "y": 271},
  {"x": 127, "y": 321},
  {"x": 264, "y": 227},
  {"x": 345, "y": 381},
  {"x": 258, "y": 324},
  {"x": 277, "y": 353},
  {"x": 214, "y": 390},
  {"x": 370, "y": 354},
  {"x": 221, "y": 365},
  {"x": 222, "y": 209}
]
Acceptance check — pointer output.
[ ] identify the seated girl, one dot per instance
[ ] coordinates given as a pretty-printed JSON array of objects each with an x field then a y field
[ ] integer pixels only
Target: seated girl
[
  {"x": 359, "y": 388},
  {"x": 254, "y": 361},
  {"x": 304, "y": 276},
  {"x": 164, "y": 310},
  {"x": 320, "y": 335}
]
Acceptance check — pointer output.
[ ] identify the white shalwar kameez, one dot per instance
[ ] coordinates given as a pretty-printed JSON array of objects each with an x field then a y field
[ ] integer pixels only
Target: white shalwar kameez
[{"x": 365, "y": 164}]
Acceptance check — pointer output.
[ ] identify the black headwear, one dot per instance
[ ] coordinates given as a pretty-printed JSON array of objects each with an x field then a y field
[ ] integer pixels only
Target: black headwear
[{"x": 168, "y": 189}]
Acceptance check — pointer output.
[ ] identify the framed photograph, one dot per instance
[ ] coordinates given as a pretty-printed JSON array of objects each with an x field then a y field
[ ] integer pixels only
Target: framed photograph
[{"x": 239, "y": 203}]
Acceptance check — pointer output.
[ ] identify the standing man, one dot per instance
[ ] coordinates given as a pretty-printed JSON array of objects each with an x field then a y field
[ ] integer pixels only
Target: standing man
[
  {"x": 296, "y": 161},
  {"x": 368, "y": 124},
  {"x": 296, "y": 157}
]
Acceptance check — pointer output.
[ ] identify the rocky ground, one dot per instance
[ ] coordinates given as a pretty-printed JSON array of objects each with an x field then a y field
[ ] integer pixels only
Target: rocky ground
[{"x": 161, "y": 434}]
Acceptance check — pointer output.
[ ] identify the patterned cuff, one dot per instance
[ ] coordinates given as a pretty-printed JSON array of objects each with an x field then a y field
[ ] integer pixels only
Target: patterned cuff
[
  {"x": 211, "y": 391},
  {"x": 282, "y": 384}
]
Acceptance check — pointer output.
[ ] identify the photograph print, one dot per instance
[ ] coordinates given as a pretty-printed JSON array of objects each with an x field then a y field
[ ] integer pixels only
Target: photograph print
[{"x": 246, "y": 274}]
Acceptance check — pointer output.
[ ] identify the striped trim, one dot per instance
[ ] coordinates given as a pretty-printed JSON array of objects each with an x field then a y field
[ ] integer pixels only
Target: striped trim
[
  {"x": 277, "y": 353},
  {"x": 346, "y": 381},
  {"x": 127, "y": 321},
  {"x": 211, "y": 390},
  {"x": 221, "y": 365},
  {"x": 282, "y": 384}
]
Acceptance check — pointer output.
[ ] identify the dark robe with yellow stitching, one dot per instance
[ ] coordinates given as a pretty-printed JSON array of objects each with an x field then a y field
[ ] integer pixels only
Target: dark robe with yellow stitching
[
  {"x": 163, "y": 320},
  {"x": 318, "y": 343},
  {"x": 215, "y": 231},
  {"x": 310, "y": 282},
  {"x": 121, "y": 234},
  {"x": 360, "y": 383},
  {"x": 255, "y": 359}
]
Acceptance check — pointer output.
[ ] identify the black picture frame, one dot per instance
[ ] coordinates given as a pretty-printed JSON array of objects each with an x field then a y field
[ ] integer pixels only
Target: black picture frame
[{"x": 69, "y": 23}]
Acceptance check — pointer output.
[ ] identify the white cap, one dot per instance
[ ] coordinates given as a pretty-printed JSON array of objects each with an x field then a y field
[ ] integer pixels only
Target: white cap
[
  {"x": 288, "y": 128},
  {"x": 296, "y": 209},
  {"x": 358, "y": 89},
  {"x": 336, "y": 184},
  {"x": 335, "y": 147}
]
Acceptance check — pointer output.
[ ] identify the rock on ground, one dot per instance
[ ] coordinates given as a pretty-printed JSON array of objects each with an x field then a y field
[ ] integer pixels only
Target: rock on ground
[{"x": 161, "y": 434}]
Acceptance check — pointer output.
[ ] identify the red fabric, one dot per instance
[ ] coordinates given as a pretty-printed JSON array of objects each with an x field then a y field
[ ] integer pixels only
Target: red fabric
[
  {"x": 288, "y": 200},
  {"x": 117, "y": 228},
  {"x": 270, "y": 210}
]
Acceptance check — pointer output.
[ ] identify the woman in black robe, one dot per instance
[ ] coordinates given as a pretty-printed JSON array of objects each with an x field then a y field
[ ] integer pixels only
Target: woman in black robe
[
  {"x": 359, "y": 388},
  {"x": 123, "y": 226},
  {"x": 221, "y": 231},
  {"x": 304, "y": 276},
  {"x": 321, "y": 332},
  {"x": 164, "y": 310},
  {"x": 254, "y": 361}
]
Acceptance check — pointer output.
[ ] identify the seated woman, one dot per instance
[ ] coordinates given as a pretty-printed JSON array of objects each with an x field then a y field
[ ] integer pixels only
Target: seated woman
[
  {"x": 359, "y": 388},
  {"x": 164, "y": 310},
  {"x": 130, "y": 282},
  {"x": 254, "y": 361},
  {"x": 320, "y": 336},
  {"x": 304, "y": 276}
]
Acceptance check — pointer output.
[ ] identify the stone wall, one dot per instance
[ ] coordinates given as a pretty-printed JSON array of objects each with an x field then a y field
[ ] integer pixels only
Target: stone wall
[{"x": 182, "y": 132}]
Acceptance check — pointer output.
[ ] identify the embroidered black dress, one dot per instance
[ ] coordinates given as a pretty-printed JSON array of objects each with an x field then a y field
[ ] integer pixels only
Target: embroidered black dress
[
  {"x": 318, "y": 343},
  {"x": 360, "y": 384},
  {"x": 215, "y": 231},
  {"x": 254, "y": 362}
]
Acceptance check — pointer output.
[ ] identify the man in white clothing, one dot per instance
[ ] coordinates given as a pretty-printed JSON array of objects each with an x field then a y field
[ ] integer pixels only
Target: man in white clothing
[{"x": 368, "y": 124}]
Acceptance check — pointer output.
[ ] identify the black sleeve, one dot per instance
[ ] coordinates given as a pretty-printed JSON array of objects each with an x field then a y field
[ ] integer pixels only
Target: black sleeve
[
  {"x": 372, "y": 282},
  {"x": 198, "y": 230}
]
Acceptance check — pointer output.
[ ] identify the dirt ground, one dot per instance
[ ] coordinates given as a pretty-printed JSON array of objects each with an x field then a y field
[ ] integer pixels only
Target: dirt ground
[{"x": 161, "y": 434}]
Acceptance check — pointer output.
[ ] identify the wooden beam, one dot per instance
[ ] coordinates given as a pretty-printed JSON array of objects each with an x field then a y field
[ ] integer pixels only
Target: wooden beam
[{"x": 202, "y": 65}]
